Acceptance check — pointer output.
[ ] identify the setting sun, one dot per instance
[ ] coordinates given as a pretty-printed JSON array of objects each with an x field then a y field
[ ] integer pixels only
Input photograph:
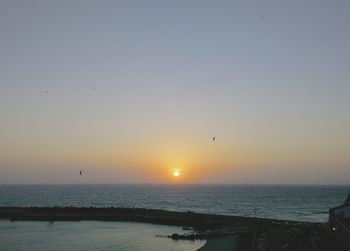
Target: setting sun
[{"x": 176, "y": 173}]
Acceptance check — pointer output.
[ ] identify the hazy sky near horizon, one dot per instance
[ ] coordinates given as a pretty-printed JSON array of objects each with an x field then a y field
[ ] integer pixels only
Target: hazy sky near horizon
[{"x": 129, "y": 91}]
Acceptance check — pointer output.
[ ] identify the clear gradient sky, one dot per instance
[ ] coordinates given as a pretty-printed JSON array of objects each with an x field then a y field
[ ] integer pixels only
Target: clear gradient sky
[{"x": 269, "y": 79}]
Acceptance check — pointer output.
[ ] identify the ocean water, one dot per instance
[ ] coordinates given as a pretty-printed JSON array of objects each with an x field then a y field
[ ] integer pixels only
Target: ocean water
[
  {"x": 304, "y": 203},
  {"x": 90, "y": 236}
]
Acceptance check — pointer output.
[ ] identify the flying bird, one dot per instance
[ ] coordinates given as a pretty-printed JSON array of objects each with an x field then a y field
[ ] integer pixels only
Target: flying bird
[
  {"x": 81, "y": 173},
  {"x": 93, "y": 87},
  {"x": 213, "y": 138}
]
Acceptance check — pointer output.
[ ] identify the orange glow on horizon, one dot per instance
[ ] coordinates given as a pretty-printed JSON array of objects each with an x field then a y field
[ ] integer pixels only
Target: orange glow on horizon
[
  {"x": 175, "y": 175},
  {"x": 169, "y": 161}
]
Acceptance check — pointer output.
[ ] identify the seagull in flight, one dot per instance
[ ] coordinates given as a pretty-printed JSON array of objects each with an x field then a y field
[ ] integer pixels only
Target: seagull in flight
[
  {"x": 81, "y": 173},
  {"x": 213, "y": 138}
]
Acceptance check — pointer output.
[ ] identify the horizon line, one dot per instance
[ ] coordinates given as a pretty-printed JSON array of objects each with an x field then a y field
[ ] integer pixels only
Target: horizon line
[{"x": 176, "y": 184}]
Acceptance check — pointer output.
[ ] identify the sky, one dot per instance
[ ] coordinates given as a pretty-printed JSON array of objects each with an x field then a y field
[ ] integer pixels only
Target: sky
[{"x": 132, "y": 91}]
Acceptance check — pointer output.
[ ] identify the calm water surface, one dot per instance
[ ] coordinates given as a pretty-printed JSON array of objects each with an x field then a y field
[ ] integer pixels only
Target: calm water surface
[
  {"x": 90, "y": 235},
  {"x": 305, "y": 203}
]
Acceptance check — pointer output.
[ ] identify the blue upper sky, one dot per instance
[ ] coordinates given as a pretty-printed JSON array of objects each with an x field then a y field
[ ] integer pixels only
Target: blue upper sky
[{"x": 126, "y": 89}]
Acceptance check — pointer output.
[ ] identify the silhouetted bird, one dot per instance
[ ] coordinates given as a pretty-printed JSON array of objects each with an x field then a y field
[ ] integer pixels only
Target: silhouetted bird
[
  {"x": 94, "y": 88},
  {"x": 213, "y": 139},
  {"x": 81, "y": 173},
  {"x": 46, "y": 92}
]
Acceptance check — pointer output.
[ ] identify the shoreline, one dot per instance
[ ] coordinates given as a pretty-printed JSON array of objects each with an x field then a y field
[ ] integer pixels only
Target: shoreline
[
  {"x": 157, "y": 216},
  {"x": 237, "y": 232}
]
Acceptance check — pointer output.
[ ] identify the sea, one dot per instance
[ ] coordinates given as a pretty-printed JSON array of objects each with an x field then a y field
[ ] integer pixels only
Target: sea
[
  {"x": 286, "y": 202},
  {"x": 91, "y": 236}
]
